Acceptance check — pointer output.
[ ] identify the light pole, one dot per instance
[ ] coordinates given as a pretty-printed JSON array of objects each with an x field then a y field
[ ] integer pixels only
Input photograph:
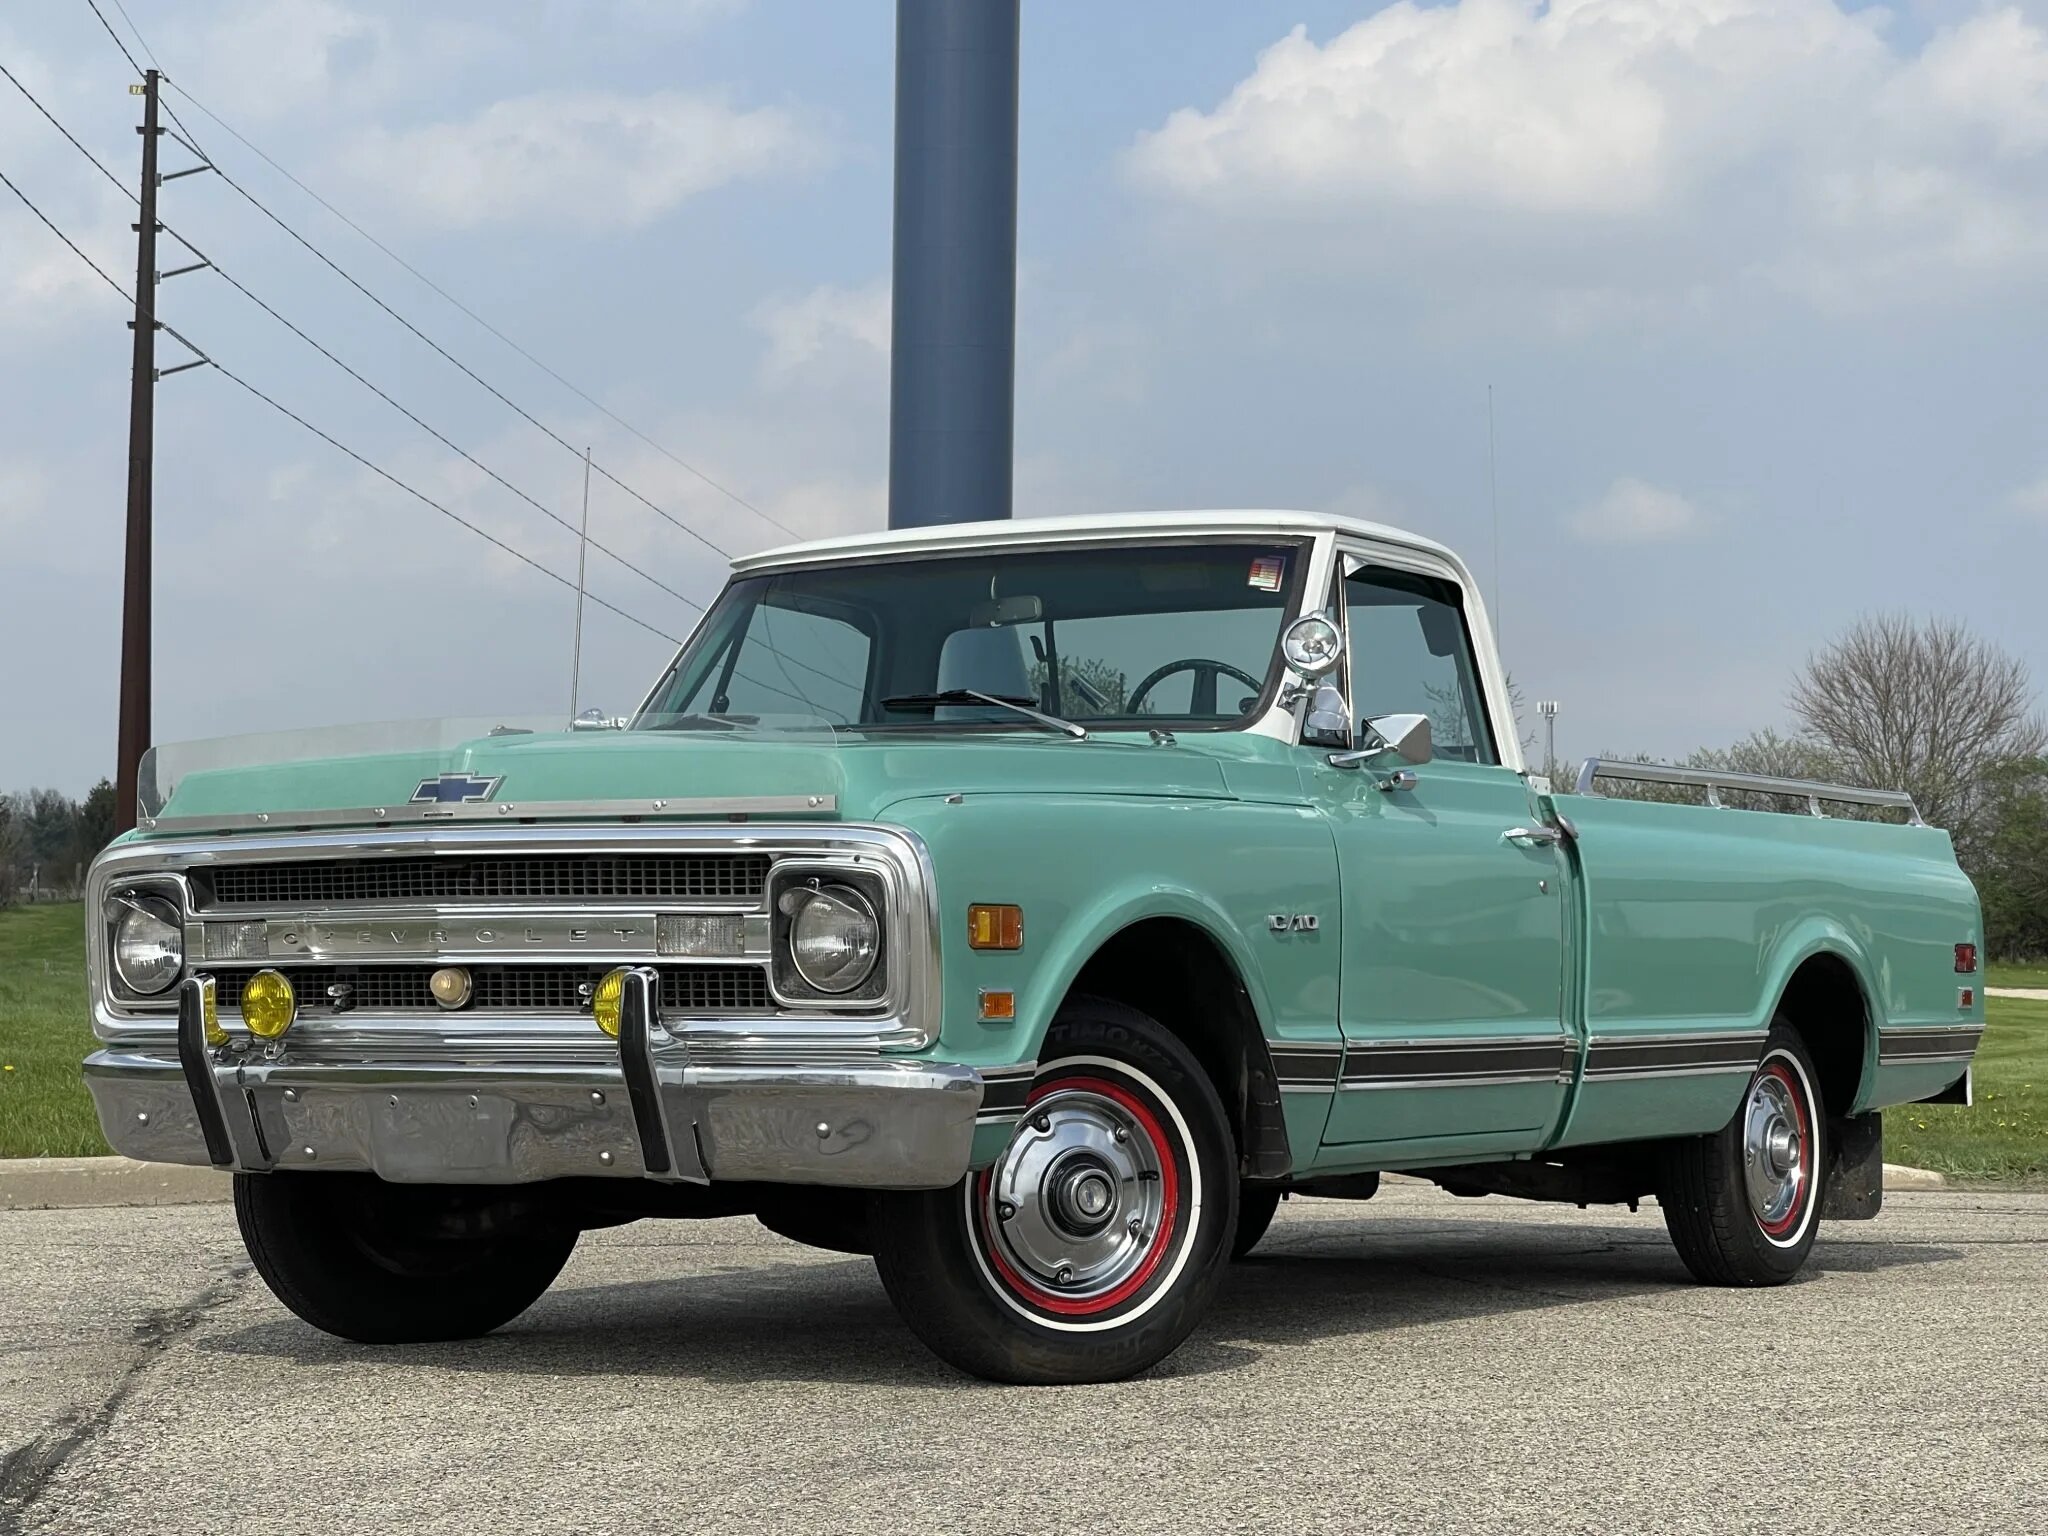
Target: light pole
[{"x": 1547, "y": 708}]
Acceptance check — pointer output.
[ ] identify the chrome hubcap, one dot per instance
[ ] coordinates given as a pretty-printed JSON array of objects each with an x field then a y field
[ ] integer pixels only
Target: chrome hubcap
[
  {"x": 1076, "y": 1199},
  {"x": 1773, "y": 1151}
]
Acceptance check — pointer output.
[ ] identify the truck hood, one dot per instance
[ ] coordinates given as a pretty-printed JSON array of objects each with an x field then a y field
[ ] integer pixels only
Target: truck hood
[{"x": 433, "y": 772}]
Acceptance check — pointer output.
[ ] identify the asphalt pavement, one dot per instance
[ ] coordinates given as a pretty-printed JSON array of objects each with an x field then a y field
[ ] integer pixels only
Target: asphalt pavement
[{"x": 1415, "y": 1363}]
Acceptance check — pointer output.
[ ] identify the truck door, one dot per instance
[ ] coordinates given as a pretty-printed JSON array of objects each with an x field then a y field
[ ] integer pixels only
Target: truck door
[{"x": 1452, "y": 956}]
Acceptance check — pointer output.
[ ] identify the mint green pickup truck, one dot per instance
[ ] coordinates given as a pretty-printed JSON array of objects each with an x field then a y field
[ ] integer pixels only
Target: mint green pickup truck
[{"x": 1032, "y": 906}]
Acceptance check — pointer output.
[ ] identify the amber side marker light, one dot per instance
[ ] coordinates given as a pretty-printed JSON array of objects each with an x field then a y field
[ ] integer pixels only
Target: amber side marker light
[
  {"x": 992, "y": 926},
  {"x": 1966, "y": 959},
  {"x": 998, "y": 1007}
]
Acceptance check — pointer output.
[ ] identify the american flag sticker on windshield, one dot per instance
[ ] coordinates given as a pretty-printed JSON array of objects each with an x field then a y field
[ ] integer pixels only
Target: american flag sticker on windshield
[{"x": 1266, "y": 572}]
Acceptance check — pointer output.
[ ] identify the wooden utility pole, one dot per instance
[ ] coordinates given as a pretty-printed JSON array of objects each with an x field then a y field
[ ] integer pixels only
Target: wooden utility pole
[{"x": 136, "y": 579}]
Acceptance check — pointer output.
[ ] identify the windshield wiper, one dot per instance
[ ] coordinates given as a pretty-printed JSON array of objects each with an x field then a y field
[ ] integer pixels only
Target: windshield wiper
[
  {"x": 1001, "y": 701},
  {"x": 692, "y": 723}
]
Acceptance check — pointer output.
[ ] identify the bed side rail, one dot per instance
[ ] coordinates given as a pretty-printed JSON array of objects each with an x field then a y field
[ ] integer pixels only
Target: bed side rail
[{"x": 1716, "y": 782}]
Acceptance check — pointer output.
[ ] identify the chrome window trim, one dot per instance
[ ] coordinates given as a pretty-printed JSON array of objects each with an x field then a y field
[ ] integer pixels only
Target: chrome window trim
[{"x": 906, "y": 1018}]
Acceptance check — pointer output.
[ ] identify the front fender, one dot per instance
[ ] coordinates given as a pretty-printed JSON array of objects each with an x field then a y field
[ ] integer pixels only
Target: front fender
[{"x": 1085, "y": 867}]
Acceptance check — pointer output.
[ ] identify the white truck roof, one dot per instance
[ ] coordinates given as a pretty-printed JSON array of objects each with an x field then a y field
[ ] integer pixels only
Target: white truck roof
[{"x": 1040, "y": 530}]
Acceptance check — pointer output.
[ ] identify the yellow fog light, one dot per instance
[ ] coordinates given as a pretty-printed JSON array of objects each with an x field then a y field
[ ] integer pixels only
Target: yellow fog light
[
  {"x": 450, "y": 986},
  {"x": 608, "y": 1002},
  {"x": 209, "y": 1017},
  {"x": 268, "y": 1004}
]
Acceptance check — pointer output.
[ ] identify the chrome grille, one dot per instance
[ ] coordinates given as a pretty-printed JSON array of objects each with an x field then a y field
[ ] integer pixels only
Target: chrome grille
[
  {"x": 710, "y": 989},
  {"x": 728, "y": 877}
]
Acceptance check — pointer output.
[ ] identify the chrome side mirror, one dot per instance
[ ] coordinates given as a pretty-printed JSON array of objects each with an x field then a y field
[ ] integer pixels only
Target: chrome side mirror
[
  {"x": 1406, "y": 736},
  {"x": 1403, "y": 737}
]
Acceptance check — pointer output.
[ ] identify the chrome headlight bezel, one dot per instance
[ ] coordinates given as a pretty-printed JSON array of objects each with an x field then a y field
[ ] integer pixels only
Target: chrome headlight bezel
[
  {"x": 130, "y": 908},
  {"x": 791, "y": 888}
]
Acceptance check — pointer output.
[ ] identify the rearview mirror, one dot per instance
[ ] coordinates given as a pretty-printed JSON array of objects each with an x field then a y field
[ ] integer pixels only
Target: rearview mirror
[{"x": 1005, "y": 611}]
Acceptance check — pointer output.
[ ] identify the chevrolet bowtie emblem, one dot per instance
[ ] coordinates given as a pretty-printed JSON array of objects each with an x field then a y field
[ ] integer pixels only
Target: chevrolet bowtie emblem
[{"x": 455, "y": 789}]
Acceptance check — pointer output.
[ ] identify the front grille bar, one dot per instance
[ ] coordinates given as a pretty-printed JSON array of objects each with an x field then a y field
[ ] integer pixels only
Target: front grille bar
[{"x": 738, "y": 878}]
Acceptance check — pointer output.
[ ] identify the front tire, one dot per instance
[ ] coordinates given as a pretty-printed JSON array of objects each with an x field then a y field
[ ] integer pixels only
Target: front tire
[
  {"x": 1094, "y": 1245},
  {"x": 1743, "y": 1205},
  {"x": 387, "y": 1263}
]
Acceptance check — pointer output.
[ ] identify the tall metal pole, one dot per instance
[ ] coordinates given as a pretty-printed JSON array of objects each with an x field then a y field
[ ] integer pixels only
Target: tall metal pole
[
  {"x": 953, "y": 334},
  {"x": 582, "y": 554},
  {"x": 136, "y": 580}
]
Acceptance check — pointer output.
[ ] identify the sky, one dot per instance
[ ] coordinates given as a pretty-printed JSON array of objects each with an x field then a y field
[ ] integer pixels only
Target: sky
[{"x": 1759, "y": 289}]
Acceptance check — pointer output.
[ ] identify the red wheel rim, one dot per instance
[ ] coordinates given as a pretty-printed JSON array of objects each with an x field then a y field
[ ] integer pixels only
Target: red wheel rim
[
  {"x": 1023, "y": 1251},
  {"x": 1778, "y": 1150}
]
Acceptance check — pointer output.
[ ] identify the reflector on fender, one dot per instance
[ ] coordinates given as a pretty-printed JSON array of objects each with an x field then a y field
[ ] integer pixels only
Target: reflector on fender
[{"x": 991, "y": 925}]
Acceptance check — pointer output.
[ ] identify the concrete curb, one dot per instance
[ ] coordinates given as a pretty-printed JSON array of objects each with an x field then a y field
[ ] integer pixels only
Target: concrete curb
[
  {"x": 63, "y": 1183},
  {"x": 1898, "y": 1176},
  {"x": 2029, "y": 994}
]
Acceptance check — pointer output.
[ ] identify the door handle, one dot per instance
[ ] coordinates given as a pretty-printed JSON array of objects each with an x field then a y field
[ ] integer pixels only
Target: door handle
[{"x": 1533, "y": 837}]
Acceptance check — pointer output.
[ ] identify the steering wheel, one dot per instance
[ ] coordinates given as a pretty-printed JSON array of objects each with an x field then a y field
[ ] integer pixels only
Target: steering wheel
[{"x": 1203, "y": 701}]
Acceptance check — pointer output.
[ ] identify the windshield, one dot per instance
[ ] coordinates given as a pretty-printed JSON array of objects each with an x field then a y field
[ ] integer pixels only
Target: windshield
[{"x": 1154, "y": 634}]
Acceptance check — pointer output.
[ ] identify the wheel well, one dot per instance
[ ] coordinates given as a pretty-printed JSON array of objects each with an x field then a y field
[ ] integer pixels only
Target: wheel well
[
  {"x": 1825, "y": 1003},
  {"x": 1173, "y": 971}
]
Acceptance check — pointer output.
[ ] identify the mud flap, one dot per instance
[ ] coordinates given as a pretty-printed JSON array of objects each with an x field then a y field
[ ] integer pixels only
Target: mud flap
[{"x": 1854, "y": 1190}]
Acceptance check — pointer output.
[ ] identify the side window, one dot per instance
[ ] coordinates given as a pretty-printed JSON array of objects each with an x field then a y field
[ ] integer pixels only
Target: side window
[
  {"x": 792, "y": 661},
  {"x": 1410, "y": 653}
]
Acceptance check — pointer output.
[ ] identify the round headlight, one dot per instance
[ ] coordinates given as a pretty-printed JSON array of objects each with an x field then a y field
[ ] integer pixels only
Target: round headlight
[
  {"x": 149, "y": 946},
  {"x": 834, "y": 939}
]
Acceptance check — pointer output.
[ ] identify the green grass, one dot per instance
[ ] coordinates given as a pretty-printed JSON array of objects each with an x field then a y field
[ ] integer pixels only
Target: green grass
[
  {"x": 2003, "y": 1137},
  {"x": 45, "y": 1032},
  {"x": 2016, "y": 973}
]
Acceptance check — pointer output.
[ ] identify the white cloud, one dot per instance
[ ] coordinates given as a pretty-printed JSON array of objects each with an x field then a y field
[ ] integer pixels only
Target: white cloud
[
  {"x": 1634, "y": 143},
  {"x": 264, "y": 58},
  {"x": 606, "y": 159},
  {"x": 1636, "y": 512},
  {"x": 2031, "y": 500},
  {"x": 828, "y": 325}
]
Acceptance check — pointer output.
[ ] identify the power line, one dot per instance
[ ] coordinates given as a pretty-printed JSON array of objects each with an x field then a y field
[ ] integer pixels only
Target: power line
[
  {"x": 147, "y": 52},
  {"x": 53, "y": 229},
  {"x": 326, "y": 437},
  {"x": 117, "y": 36},
  {"x": 581, "y": 394},
  {"x": 261, "y": 304},
  {"x": 381, "y": 472}
]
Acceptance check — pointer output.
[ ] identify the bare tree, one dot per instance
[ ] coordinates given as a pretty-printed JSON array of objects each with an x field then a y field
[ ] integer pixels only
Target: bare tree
[{"x": 1921, "y": 706}]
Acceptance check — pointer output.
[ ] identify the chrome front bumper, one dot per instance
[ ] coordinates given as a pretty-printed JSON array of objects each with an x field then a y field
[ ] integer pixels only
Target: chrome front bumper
[{"x": 872, "y": 1122}]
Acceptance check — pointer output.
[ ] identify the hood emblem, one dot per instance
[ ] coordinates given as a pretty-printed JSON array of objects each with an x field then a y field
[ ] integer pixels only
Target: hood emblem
[{"x": 455, "y": 789}]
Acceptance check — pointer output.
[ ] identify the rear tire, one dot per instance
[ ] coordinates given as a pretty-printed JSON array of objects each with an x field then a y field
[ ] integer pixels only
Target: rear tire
[
  {"x": 1743, "y": 1205},
  {"x": 1256, "y": 1205},
  {"x": 1094, "y": 1245},
  {"x": 388, "y": 1263}
]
